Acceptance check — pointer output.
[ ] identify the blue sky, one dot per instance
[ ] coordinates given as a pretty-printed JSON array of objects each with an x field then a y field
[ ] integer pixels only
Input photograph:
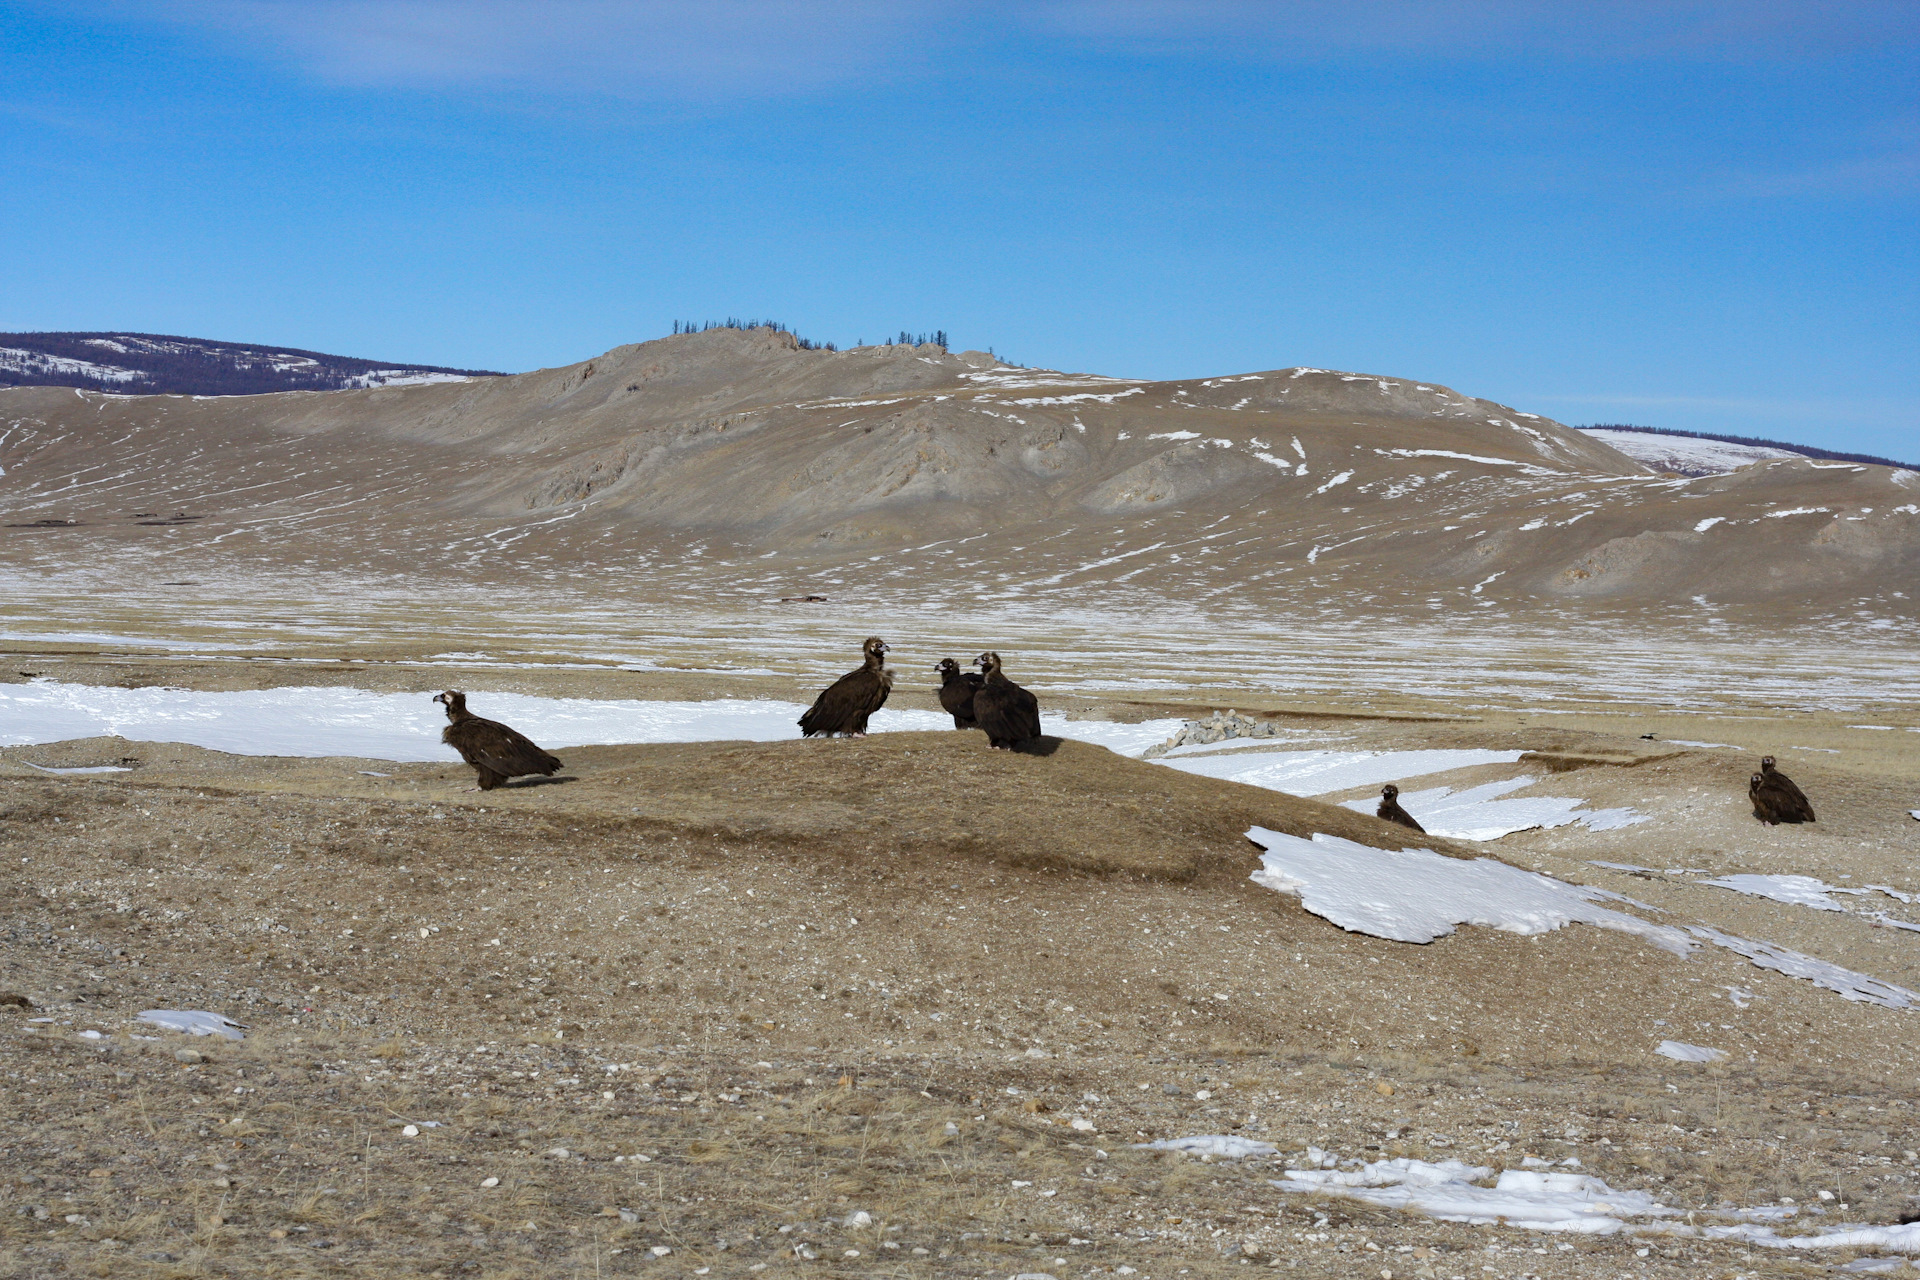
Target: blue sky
[{"x": 1689, "y": 214}]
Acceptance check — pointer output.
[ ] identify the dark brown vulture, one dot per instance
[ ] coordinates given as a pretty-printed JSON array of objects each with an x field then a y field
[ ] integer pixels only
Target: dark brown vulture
[
  {"x": 1009, "y": 714},
  {"x": 1390, "y": 809},
  {"x": 844, "y": 705},
  {"x": 494, "y": 750},
  {"x": 1781, "y": 780},
  {"x": 956, "y": 692},
  {"x": 1775, "y": 797}
]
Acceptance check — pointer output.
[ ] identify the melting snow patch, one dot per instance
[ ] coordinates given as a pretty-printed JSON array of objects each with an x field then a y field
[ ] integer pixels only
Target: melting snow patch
[
  {"x": 1416, "y": 895},
  {"x": 1464, "y": 457},
  {"x": 196, "y": 1022},
  {"x": 95, "y": 768},
  {"x": 1801, "y": 891},
  {"x": 1681, "y": 1052},
  {"x": 1537, "y": 1200},
  {"x": 1850, "y": 985},
  {"x": 1478, "y": 814},
  {"x": 1340, "y": 479},
  {"x": 1224, "y": 1145},
  {"x": 1522, "y": 1198},
  {"x": 1313, "y": 773}
]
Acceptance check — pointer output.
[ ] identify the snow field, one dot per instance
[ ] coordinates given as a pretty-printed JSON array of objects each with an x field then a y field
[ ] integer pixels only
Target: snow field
[{"x": 333, "y": 721}]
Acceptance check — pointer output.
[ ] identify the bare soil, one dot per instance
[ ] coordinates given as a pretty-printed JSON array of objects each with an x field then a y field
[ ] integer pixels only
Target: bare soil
[{"x": 903, "y": 977}]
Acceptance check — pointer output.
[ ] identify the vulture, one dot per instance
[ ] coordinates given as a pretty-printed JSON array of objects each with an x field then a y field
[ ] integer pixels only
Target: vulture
[
  {"x": 496, "y": 751},
  {"x": 844, "y": 705},
  {"x": 1008, "y": 713},
  {"x": 956, "y": 692},
  {"x": 1775, "y": 797},
  {"x": 1390, "y": 809}
]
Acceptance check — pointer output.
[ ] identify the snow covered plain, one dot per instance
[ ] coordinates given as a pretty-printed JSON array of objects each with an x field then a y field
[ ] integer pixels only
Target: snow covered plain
[{"x": 335, "y": 721}]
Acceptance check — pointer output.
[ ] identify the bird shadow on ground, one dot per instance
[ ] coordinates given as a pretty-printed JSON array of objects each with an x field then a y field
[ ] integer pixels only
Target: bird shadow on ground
[
  {"x": 1045, "y": 745},
  {"x": 521, "y": 784}
]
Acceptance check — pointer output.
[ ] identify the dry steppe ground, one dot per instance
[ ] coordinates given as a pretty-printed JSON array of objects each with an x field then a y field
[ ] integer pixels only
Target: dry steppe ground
[{"x": 905, "y": 978}]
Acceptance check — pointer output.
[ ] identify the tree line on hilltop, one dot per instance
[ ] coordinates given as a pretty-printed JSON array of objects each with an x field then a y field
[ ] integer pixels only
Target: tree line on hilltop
[{"x": 938, "y": 337}]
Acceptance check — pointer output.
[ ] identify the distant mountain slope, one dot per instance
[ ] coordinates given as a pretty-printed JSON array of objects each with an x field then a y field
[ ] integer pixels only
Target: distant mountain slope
[
  {"x": 1689, "y": 454},
  {"x": 159, "y": 364},
  {"x": 1686, "y": 455}
]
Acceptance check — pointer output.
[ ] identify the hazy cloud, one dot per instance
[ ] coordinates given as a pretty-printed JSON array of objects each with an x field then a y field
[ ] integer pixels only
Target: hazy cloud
[
  {"x": 720, "y": 48},
  {"x": 1604, "y": 29},
  {"x": 644, "y": 48}
]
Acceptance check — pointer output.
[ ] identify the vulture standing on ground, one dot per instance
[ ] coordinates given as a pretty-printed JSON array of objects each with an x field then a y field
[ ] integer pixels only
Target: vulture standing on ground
[
  {"x": 1008, "y": 713},
  {"x": 956, "y": 692},
  {"x": 497, "y": 752},
  {"x": 1390, "y": 809},
  {"x": 1775, "y": 797},
  {"x": 844, "y": 705}
]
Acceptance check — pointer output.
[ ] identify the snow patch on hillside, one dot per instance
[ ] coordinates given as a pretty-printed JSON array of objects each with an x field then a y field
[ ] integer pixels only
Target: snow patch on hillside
[{"x": 1686, "y": 455}]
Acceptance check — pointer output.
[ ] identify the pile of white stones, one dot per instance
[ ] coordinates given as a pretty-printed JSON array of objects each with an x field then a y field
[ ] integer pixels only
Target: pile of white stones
[{"x": 1218, "y": 727}]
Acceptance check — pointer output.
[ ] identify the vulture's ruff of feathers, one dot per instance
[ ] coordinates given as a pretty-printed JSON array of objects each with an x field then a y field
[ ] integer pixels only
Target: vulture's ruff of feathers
[
  {"x": 844, "y": 706},
  {"x": 495, "y": 751},
  {"x": 956, "y": 692},
  {"x": 1773, "y": 803},
  {"x": 1009, "y": 714},
  {"x": 1390, "y": 809}
]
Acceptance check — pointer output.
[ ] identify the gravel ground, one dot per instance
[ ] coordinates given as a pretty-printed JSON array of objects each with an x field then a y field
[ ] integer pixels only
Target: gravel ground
[{"x": 794, "y": 1032}]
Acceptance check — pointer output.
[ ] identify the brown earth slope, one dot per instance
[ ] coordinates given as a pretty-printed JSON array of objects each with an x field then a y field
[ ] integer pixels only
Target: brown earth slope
[{"x": 739, "y": 461}]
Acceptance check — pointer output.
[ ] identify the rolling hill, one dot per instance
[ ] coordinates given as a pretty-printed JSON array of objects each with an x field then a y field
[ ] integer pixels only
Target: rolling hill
[
  {"x": 158, "y": 364},
  {"x": 741, "y": 463}
]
